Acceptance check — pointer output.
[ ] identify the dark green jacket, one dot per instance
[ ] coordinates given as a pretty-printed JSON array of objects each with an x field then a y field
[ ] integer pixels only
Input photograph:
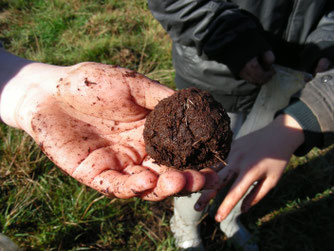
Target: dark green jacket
[{"x": 212, "y": 40}]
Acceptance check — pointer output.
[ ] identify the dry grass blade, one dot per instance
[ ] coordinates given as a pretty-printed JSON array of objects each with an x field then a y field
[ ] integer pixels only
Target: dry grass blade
[{"x": 91, "y": 204}]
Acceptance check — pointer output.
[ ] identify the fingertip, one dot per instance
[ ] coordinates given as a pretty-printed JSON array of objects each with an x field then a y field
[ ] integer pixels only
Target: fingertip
[
  {"x": 195, "y": 180},
  {"x": 219, "y": 218},
  {"x": 269, "y": 57},
  {"x": 222, "y": 212},
  {"x": 171, "y": 182}
]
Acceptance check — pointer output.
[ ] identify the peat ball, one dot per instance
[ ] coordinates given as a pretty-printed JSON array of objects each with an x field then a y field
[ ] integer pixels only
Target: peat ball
[{"x": 188, "y": 130}]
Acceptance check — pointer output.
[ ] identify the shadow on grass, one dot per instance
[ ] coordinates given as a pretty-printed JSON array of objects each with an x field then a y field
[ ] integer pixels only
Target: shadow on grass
[
  {"x": 298, "y": 213},
  {"x": 310, "y": 227}
]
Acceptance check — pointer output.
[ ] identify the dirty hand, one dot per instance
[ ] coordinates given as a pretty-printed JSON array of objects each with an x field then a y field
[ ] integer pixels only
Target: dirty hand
[
  {"x": 259, "y": 70},
  {"x": 88, "y": 119},
  {"x": 324, "y": 64},
  {"x": 260, "y": 157}
]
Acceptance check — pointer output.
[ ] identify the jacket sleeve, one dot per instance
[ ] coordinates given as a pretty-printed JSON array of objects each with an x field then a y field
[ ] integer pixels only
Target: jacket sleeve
[
  {"x": 313, "y": 108},
  {"x": 320, "y": 42},
  {"x": 219, "y": 30}
]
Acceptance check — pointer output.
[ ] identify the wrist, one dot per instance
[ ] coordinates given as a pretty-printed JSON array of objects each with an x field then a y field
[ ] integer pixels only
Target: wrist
[
  {"x": 24, "y": 84},
  {"x": 290, "y": 131},
  {"x": 309, "y": 122}
]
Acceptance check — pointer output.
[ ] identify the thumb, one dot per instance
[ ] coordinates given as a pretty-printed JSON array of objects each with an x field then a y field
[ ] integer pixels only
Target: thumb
[
  {"x": 323, "y": 65},
  {"x": 147, "y": 92},
  {"x": 268, "y": 58}
]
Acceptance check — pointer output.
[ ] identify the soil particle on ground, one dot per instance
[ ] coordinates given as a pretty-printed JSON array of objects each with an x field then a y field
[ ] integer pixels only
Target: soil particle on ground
[{"x": 188, "y": 130}]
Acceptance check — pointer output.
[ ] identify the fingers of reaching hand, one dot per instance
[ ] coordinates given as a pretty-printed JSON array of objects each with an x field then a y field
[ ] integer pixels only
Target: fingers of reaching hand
[{"x": 237, "y": 191}]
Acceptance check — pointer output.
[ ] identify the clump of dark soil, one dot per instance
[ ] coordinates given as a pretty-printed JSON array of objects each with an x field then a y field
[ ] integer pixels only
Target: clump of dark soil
[{"x": 188, "y": 130}]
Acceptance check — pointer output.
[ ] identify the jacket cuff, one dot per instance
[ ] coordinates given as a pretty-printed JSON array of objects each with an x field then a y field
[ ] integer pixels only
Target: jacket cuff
[
  {"x": 308, "y": 121},
  {"x": 239, "y": 51}
]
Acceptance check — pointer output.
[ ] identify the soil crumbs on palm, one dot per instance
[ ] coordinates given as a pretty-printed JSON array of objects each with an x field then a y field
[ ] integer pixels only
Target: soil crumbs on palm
[{"x": 188, "y": 130}]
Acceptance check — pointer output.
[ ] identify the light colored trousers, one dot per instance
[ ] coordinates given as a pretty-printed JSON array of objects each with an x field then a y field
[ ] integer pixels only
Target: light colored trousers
[{"x": 184, "y": 206}]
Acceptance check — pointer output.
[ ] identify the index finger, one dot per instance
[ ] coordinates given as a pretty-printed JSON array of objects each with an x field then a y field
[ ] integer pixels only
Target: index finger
[
  {"x": 268, "y": 59},
  {"x": 237, "y": 191}
]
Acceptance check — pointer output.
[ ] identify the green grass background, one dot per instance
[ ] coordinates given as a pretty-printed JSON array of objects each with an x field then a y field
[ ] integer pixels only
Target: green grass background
[{"x": 43, "y": 209}]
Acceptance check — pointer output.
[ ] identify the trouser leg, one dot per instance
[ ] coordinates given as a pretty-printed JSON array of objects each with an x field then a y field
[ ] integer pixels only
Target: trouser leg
[
  {"x": 7, "y": 244},
  {"x": 185, "y": 222}
]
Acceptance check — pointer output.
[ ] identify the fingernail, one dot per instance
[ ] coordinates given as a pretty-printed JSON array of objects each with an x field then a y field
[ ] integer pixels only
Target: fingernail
[
  {"x": 198, "y": 206},
  {"x": 219, "y": 218}
]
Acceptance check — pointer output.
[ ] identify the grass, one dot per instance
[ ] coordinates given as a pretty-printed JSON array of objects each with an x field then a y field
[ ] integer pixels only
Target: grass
[{"x": 43, "y": 209}]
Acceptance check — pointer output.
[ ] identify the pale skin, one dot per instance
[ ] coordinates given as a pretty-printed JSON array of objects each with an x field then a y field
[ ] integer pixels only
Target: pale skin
[
  {"x": 261, "y": 157},
  {"x": 88, "y": 119}
]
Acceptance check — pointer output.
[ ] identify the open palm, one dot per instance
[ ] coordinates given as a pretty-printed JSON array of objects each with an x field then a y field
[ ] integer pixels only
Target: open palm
[{"x": 90, "y": 123}]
